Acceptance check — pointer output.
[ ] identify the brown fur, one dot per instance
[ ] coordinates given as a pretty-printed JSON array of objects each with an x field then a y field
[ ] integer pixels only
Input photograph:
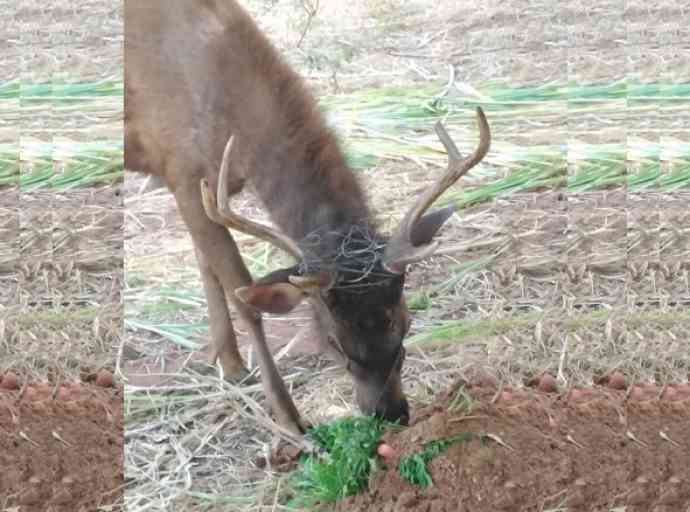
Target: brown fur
[
  {"x": 240, "y": 85},
  {"x": 197, "y": 73}
]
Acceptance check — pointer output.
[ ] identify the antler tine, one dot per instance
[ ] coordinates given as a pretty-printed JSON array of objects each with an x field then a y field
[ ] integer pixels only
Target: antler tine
[
  {"x": 219, "y": 210},
  {"x": 400, "y": 252}
]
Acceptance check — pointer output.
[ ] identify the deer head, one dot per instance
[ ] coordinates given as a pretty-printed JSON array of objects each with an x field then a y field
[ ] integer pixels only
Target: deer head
[{"x": 358, "y": 296}]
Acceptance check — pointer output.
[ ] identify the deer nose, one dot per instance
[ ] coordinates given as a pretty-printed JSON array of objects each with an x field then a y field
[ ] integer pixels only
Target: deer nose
[{"x": 400, "y": 412}]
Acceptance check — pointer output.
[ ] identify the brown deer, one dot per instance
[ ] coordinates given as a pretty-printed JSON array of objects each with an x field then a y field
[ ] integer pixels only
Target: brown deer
[{"x": 210, "y": 107}]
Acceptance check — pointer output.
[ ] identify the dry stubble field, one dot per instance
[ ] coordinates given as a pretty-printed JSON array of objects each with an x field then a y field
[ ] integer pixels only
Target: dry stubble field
[
  {"x": 570, "y": 256},
  {"x": 61, "y": 255}
]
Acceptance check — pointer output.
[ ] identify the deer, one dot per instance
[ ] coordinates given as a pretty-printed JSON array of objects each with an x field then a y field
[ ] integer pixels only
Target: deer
[{"x": 212, "y": 107}]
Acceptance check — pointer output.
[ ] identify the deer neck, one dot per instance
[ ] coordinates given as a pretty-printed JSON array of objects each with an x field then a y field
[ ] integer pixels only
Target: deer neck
[
  {"x": 299, "y": 172},
  {"x": 292, "y": 158},
  {"x": 317, "y": 201}
]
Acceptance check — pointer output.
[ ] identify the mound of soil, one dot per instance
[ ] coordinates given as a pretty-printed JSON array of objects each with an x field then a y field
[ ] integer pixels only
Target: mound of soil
[
  {"x": 60, "y": 448},
  {"x": 585, "y": 450}
]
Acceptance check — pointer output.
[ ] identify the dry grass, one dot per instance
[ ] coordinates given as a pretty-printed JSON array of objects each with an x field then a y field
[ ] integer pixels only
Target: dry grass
[
  {"x": 61, "y": 252},
  {"x": 575, "y": 284},
  {"x": 61, "y": 247},
  {"x": 63, "y": 271}
]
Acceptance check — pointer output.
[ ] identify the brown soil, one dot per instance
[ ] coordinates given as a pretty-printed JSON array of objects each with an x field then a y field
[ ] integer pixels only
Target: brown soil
[
  {"x": 584, "y": 450},
  {"x": 61, "y": 447}
]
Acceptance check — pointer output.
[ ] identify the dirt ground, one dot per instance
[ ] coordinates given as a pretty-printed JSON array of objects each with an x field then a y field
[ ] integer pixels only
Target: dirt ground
[
  {"x": 588, "y": 449},
  {"x": 61, "y": 447}
]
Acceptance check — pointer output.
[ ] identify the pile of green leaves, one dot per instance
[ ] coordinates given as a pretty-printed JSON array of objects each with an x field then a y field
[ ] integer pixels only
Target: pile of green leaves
[
  {"x": 343, "y": 469},
  {"x": 413, "y": 467}
]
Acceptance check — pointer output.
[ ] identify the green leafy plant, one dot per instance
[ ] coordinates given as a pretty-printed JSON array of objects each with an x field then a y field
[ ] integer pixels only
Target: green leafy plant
[
  {"x": 343, "y": 469},
  {"x": 413, "y": 468}
]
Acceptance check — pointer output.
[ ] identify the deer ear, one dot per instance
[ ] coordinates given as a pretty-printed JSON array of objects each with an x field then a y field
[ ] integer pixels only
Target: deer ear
[
  {"x": 278, "y": 298},
  {"x": 427, "y": 226},
  {"x": 282, "y": 290},
  {"x": 273, "y": 293}
]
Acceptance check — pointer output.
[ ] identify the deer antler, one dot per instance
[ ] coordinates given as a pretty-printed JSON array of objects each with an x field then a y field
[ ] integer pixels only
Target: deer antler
[
  {"x": 400, "y": 250},
  {"x": 219, "y": 210}
]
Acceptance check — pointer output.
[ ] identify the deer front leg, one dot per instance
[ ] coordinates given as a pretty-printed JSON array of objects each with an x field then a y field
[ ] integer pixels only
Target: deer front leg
[
  {"x": 226, "y": 267},
  {"x": 233, "y": 274},
  {"x": 223, "y": 339},
  {"x": 277, "y": 395}
]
